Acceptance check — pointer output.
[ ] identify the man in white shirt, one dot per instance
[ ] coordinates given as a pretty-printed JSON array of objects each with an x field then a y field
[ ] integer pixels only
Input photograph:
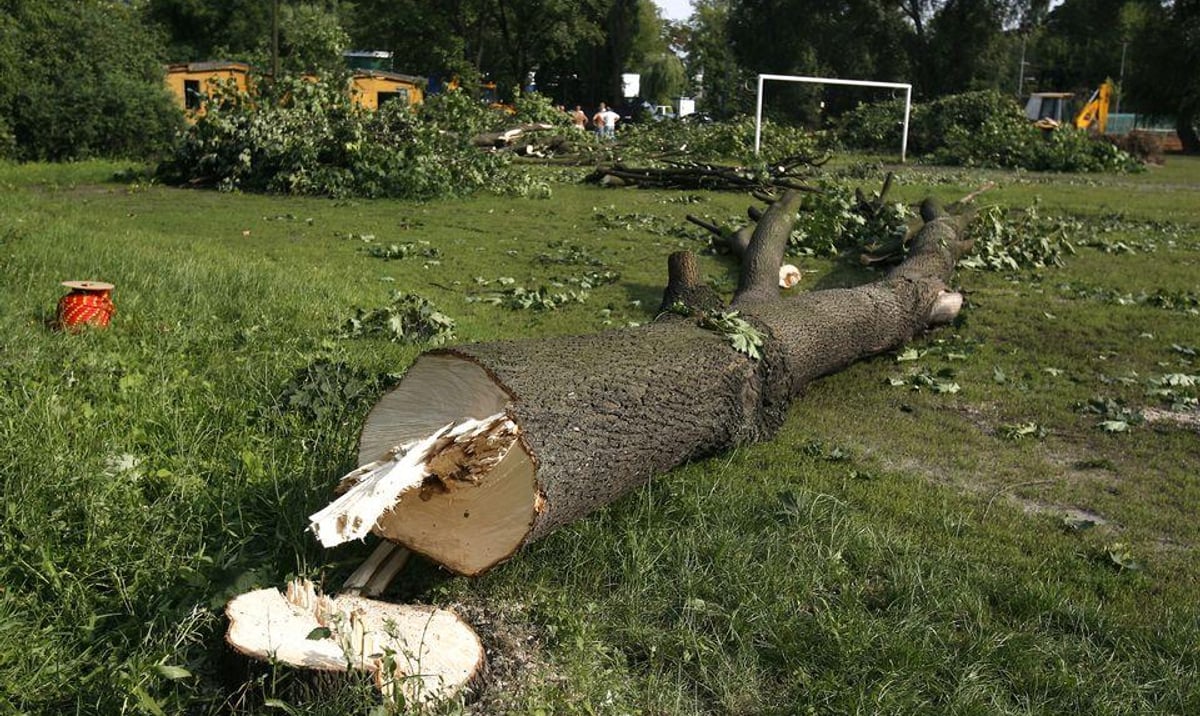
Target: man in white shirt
[{"x": 610, "y": 122}]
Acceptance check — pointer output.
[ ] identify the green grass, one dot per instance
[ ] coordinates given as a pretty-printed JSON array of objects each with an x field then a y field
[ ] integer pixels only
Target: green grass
[{"x": 890, "y": 551}]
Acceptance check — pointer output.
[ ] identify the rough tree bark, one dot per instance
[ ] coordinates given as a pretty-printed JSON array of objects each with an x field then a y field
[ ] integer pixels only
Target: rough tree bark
[{"x": 484, "y": 448}]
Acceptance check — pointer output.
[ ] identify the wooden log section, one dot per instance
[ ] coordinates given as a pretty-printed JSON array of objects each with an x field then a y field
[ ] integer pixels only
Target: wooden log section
[
  {"x": 422, "y": 654},
  {"x": 484, "y": 448}
]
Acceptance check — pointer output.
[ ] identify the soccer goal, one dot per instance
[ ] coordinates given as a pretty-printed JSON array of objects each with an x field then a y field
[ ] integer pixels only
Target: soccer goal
[{"x": 833, "y": 81}]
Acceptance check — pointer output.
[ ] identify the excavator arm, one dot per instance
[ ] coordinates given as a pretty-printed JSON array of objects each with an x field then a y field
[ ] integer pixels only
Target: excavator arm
[{"x": 1095, "y": 112}]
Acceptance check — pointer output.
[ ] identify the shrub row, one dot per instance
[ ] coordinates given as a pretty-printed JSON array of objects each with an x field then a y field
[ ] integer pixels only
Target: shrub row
[
  {"x": 78, "y": 80},
  {"x": 983, "y": 129},
  {"x": 731, "y": 140}
]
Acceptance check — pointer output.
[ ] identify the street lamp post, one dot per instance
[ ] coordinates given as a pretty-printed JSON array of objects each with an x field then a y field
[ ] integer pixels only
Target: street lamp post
[
  {"x": 1021, "y": 69},
  {"x": 275, "y": 42},
  {"x": 1121, "y": 81}
]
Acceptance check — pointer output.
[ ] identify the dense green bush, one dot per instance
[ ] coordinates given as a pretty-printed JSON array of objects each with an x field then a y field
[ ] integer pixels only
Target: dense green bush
[
  {"x": 969, "y": 112},
  {"x": 875, "y": 126},
  {"x": 78, "y": 80},
  {"x": 833, "y": 221},
  {"x": 309, "y": 138},
  {"x": 536, "y": 107},
  {"x": 981, "y": 129},
  {"x": 1014, "y": 143},
  {"x": 731, "y": 140},
  {"x": 8, "y": 143}
]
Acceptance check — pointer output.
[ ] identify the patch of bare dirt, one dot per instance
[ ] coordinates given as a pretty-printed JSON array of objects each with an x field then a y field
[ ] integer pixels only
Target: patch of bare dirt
[
  {"x": 1189, "y": 419},
  {"x": 1071, "y": 516},
  {"x": 513, "y": 647}
]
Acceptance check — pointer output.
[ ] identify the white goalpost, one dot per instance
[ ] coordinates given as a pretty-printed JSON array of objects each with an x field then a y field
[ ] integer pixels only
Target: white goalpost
[{"x": 833, "y": 81}]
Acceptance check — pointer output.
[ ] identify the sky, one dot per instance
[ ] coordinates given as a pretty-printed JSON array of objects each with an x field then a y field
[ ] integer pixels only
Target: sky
[
  {"x": 675, "y": 9},
  {"x": 682, "y": 9}
]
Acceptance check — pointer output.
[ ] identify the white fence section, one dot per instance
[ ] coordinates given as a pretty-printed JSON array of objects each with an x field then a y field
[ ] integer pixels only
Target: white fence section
[{"x": 833, "y": 81}]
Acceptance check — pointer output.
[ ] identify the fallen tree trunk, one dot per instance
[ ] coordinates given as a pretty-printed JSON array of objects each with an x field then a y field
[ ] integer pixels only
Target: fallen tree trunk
[
  {"x": 508, "y": 136},
  {"x": 789, "y": 173},
  {"x": 484, "y": 448}
]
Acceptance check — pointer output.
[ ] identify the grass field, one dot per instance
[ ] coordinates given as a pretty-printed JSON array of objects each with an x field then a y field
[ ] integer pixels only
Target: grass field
[{"x": 988, "y": 550}]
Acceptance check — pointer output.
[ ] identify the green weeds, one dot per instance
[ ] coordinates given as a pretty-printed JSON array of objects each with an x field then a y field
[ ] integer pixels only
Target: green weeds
[{"x": 408, "y": 318}]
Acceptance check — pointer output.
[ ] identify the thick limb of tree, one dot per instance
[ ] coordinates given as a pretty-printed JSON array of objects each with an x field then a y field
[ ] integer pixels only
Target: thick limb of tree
[
  {"x": 508, "y": 136},
  {"x": 489, "y": 447},
  {"x": 691, "y": 175}
]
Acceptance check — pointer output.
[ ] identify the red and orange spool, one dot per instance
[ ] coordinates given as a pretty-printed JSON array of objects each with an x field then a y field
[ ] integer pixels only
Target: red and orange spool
[{"x": 88, "y": 304}]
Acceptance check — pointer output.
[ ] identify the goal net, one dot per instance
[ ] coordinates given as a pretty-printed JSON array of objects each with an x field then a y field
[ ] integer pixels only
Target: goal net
[{"x": 832, "y": 81}]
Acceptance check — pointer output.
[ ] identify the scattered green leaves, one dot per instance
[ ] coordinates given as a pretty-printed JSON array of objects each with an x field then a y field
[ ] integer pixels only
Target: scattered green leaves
[
  {"x": 542, "y": 298},
  {"x": 328, "y": 389},
  {"x": 571, "y": 254},
  {"x": 1018, "y": 431},
  {"x": 1115, "y": 416},
  {"x": 940, "y": 381},
  {"x": 1182, "y": 301},
  {"x": 1018, "y": 240},
  {"x": 409, "y": 318},
  {"x": 393, "y": 252},
  {"x": 740, "y": 333},
  {"x": 172, "y": 673},
  {"x": 1121, "y": 554}
]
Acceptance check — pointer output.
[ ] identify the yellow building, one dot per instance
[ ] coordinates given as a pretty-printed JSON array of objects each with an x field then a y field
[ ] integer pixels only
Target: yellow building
[
  {"x": 372, "y": 88},
  {"x": 192, "y": 83}
]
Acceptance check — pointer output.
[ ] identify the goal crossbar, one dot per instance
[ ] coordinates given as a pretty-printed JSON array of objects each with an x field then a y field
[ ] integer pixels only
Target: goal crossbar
[{"x": 833, "y": 81}]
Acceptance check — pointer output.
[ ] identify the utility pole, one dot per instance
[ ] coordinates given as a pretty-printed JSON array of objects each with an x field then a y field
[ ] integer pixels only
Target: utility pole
[
  {"x": 275, "y": 42},
  {"x": 1121, "y": 82},
  {"x": 1021, "y": 70}
]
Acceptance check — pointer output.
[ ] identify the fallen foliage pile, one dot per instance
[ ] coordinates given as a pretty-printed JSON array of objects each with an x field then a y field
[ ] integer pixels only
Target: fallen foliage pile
[
  {"x": 304, "y": 137},
  {"x": 981, "y": 129}
]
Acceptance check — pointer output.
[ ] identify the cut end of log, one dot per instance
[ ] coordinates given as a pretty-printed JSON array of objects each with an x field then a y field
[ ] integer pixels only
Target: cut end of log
[
  {"x": 945, "y": 308},
  {"x": 455, "y": 458},
  {"x": 424, "y": 654},
  {"x": 789, "y": 276},
  {"x": 465, "y": 495},
  {"x": 445, "y": 471}
]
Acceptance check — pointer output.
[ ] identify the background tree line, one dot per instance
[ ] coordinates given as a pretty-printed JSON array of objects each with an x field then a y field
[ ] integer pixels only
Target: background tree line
[{"x": 83, "y": 77}]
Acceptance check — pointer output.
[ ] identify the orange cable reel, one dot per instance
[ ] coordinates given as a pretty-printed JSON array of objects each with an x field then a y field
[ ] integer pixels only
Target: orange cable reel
[{"x": 88, "y": 304}]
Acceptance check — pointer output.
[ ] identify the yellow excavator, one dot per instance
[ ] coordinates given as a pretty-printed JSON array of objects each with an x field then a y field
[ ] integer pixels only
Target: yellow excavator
[{"x": 1046, "y": 109}]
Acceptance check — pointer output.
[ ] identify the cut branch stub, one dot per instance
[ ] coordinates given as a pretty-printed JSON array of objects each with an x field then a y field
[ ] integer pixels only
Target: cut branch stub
[{"x": 684, "y": 287}]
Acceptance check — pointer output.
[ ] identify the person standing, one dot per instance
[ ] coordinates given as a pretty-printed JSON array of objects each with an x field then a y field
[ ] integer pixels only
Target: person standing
[
  {"x": 579, "y": 119},
  {"x": 610, "y": 123},
  {"x": 598, "y": 120}
]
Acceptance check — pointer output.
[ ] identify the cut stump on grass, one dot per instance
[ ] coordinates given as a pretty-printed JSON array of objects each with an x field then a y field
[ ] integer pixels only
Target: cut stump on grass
[{"x": 416, "y": 653}]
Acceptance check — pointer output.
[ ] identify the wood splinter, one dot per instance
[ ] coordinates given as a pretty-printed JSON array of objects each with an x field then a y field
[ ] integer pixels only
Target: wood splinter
[{"x": 465, "y": 493}]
